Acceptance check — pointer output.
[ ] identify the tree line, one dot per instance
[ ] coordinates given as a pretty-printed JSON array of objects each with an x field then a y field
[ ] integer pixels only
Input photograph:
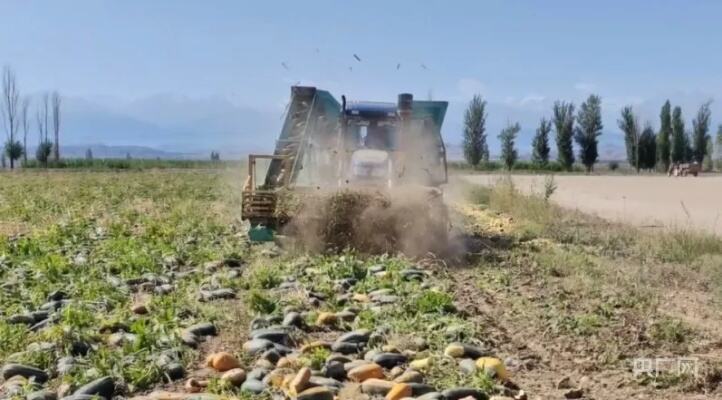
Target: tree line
[
  {"x": 649, "y": 150},
  {"x": 646, "y": 149},
  {"x": 16, "y": 120},
  {"x": 585, "y": 133}
]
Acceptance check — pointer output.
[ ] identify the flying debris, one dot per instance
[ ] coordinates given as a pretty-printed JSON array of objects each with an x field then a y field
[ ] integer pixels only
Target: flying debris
[
  {"x": 398, "y": 66},
  {"x": 350, "y": 68},
  {"x": 317, "y": 50},
  {"x": 423, "y": 66},
  {"x": 283, "y": 64},
  {"x": 357, "y": 57}
]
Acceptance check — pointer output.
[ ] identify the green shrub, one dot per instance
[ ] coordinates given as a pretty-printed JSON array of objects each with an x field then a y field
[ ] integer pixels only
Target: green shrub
[
  {"x": 431, "y": 301},
  {"x": 260, "y": 303},
  {"x": 317, "y": 358},
  {"x": 479, "y": 195},
  {"x": 685, "y": 246},
  {"x": 42, "y": 155},
  {"x": 670, "y": 330},
  {"x": 519, "y": 165},
  {"x": 265, "y": 278}
]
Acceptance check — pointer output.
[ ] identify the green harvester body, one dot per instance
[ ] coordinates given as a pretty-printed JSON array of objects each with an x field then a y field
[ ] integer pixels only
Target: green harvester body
[{"x": 318, "y": 148}]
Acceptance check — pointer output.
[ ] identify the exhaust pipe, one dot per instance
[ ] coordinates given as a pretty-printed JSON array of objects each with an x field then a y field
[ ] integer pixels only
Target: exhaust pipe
[{"x": 405, "y": 104}]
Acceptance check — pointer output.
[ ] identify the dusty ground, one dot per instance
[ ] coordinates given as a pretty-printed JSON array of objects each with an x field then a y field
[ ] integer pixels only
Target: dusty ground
[
  {"x": 645, "y": 201},
  {"x": 574, "y": 310},
  {"x": 566, "y": 312}
]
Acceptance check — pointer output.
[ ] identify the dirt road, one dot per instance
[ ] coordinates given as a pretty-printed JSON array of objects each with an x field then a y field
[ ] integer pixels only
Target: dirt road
[{"x": 645, "y": 201}]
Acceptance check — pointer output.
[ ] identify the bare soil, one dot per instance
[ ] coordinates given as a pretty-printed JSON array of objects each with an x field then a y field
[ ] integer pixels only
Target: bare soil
[{"x": 645, "y": 201}]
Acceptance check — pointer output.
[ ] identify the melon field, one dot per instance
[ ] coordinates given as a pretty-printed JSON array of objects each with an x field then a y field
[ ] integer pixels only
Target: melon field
[{"x": 141, "y": 284}]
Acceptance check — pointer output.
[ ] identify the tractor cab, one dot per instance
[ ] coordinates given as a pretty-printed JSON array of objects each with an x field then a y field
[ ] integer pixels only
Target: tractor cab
[{"x": 369, "y": 131}]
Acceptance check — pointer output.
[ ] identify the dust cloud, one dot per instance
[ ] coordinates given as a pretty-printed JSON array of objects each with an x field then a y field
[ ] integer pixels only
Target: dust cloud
[
  {"x": 401, "y": 210},
  {"x": 375, "y": 189},
  {"x": 411, "y": 220}
]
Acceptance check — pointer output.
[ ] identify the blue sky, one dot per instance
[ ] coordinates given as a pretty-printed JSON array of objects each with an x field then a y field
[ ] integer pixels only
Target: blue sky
[{"x": 520, "y": 55}]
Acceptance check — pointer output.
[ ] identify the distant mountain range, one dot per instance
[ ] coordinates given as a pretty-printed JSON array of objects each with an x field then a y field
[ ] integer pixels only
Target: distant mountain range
[
  {"x": 173, "y": 126},
  {"x": 104, "y": 151},
  {"x": 165, "y": 125}
]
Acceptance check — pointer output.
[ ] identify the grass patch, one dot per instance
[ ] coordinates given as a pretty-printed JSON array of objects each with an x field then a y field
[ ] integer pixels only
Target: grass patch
[
  {"x": 670, "y": 330},
  {"x": 316, "y": 359},
  {"x": 264, "y": 278},
  {"x": 431, "y": 301},
  {"x": 261, "y": 303},
  {"x": 583, "y": 324},
  {"x": 685, "y": 247},
  {"x": 444, "y": 372}
]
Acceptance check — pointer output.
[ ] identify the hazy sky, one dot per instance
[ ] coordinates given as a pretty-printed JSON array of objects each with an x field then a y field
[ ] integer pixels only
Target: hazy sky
[{"x": 519, "y": 54}]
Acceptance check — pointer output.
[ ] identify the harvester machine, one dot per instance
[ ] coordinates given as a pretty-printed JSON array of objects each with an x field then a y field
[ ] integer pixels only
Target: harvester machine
[{"x": 327, "y": 145}]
